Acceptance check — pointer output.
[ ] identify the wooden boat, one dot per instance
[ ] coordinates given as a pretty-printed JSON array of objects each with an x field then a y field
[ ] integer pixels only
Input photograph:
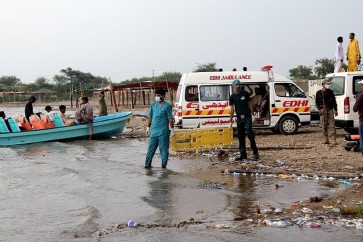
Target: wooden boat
[{"x": 103, "y": 127}]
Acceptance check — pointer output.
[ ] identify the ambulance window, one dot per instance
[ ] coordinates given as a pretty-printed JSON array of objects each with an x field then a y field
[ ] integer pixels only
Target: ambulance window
[
  {"x": 288, "y": 90},
  {"x": 337, "y": 84},
  {"x": 356, "y": 85},
  {"x": 214, "y": 93},
  {"x": 191, "y": 93}
]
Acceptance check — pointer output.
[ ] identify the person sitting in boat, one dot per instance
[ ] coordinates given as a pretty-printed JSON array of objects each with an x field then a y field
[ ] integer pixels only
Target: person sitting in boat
[
  {"x": 3, "y": 115},
  {"x": 85, "y": 115},
  {"x": 66, "y": 120},
  {"x": 29, "y": 107},
  {"x": 50, "y": 113}
]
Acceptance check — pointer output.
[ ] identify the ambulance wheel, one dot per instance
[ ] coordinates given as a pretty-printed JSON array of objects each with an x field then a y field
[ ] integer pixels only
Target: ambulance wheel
[
  {"x": 347, "y": 148},
  {"x": 356, "y": 148},
  {"x": 288, "y": 125},
  {"x": 275, "y": 130}
]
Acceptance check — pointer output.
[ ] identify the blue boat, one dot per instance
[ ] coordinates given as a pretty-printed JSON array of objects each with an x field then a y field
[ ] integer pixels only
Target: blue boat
[{"x": 103, "y": 127}]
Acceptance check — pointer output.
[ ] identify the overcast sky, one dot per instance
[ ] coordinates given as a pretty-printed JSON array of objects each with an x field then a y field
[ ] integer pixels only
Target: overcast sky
[{"x": 122, "y": 39}]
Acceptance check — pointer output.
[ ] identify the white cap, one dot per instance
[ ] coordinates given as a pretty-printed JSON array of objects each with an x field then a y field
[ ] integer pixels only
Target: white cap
[{"x": 360, "y": 82}]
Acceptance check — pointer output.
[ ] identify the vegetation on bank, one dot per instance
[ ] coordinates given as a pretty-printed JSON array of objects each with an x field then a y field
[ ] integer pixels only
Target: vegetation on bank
[{"x": 74, "y": 80}]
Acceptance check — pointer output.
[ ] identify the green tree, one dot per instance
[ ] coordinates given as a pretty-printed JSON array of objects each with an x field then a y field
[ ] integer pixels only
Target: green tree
[
  {"x": 171, "y": 76},
  {"x": 77, "y": 77},
  {"x": 9, "y": 81},
  {"x": 60, "y": 79},
  {"x": 41, "y": 81},
  {"x": 206, "y": 67},
  {"x": 99, "y": 81},
  {"x": 324, "y": 67},
  {"x": 301, "y": 72}
]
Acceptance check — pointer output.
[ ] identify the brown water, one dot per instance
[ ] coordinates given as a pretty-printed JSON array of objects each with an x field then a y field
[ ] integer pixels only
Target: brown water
[{"x": 69, "y": 191}]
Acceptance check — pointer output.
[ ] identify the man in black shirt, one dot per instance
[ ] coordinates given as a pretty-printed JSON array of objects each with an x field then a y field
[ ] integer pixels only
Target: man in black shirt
[
  {"x": 240, "y": 103},
  {"x": 29, "y": 107},
  {"x": 327, "y": 105}
]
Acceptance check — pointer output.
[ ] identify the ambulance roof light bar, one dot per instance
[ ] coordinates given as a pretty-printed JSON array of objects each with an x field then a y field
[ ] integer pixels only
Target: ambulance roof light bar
[{"x": 270, "y": 74}]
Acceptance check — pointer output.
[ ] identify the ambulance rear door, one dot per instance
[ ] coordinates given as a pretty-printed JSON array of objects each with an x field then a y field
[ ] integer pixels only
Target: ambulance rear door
[
  {"x": 190, "y": 107},
  {"x": 214, "y": 110}
]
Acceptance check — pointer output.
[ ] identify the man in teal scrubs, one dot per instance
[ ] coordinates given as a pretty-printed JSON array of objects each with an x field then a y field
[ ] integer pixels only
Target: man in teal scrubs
[
  {"x": 160, "y": 117},
  {"x": 240, "y": 103}
]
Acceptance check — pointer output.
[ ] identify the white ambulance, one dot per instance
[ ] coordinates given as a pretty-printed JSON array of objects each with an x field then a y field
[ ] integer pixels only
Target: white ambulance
[
  {"x": 345, "y": 87},
  {"x": 202, "y": 100}
]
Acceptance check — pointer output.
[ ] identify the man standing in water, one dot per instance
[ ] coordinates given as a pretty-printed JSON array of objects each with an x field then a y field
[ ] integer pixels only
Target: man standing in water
[
  {"x": 160, "y": 118},
  {"x": 240, "y": 102},
  {"x": 353, "y": 53},
  {"x": 102, "y": 104},
  {"x": 29, "y": 107},
  {"x": 85, "y": 115},
  {"x": 339, "y": 55}
]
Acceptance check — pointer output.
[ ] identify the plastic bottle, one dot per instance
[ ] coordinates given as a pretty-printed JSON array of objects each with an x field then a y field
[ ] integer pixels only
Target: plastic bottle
[
  {"x": 132, "y": 224},
  {"x": 276, "y": 224}
]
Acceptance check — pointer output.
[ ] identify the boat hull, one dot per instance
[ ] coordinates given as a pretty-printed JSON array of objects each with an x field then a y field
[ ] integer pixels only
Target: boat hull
[{"x": 103, "y": 127}]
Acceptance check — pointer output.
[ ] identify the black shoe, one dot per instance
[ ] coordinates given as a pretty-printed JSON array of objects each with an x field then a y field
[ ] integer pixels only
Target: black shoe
[
  {"x": 163, "y": 166},
  {"x": 256, "y": 157},
  {"x": 147, "y": 167}
]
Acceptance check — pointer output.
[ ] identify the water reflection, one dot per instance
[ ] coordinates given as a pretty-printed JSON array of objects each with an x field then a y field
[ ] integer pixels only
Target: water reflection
[
  {"x": 38, "y": 152},
  {"x": 246, "y": 187},
  {"x": 245, "y": 194},
  {"x": 160, "y": 194}
]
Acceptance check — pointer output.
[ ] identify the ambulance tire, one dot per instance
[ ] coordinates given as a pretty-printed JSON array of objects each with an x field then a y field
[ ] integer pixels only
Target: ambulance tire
[
  {"x": 276, "y": 130},
  {"x": 288, "y": 125}
]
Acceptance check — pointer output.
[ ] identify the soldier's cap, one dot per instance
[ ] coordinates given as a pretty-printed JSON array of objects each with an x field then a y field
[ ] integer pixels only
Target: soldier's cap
[
  {"x": 324, "y": 82},
  {"x": 32, "y": 98},
  {"x": 236, "y": 82}
]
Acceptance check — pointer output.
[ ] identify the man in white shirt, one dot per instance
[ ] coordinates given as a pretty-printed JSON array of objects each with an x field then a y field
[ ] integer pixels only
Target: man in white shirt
[
  {"x": 50, "y": 113},
  {"x": 339, "y": 55}
]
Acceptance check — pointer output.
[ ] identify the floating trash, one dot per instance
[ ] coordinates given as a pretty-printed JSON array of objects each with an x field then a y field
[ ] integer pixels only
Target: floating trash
[
  {"x": 345, "y": 182},
  {"x": 314, "y": 225},
  {"x": 222, "y": 226},
  {"x": 275, "y": 224},
  {"x": 132, "y": 224},
  {"x": 278, "y": 210},
  {"x": 307, "y": 210}
]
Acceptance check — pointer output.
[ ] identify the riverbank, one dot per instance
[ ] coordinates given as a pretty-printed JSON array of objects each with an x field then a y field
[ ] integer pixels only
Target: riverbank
[
  {"x": 295, "y": 157},
  {"x": 300, "y": 153}
]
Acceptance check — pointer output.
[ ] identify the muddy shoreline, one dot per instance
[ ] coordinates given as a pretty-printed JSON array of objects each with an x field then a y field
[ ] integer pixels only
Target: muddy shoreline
[{"x": 300, "y": 156}]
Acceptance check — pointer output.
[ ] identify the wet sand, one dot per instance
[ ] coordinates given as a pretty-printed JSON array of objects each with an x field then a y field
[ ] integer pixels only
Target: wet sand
[{"x": 302, "y": 153}]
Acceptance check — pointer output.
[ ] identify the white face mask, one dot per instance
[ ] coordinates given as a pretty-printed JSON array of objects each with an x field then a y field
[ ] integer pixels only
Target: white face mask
[{"x": 157, "y": 99}]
